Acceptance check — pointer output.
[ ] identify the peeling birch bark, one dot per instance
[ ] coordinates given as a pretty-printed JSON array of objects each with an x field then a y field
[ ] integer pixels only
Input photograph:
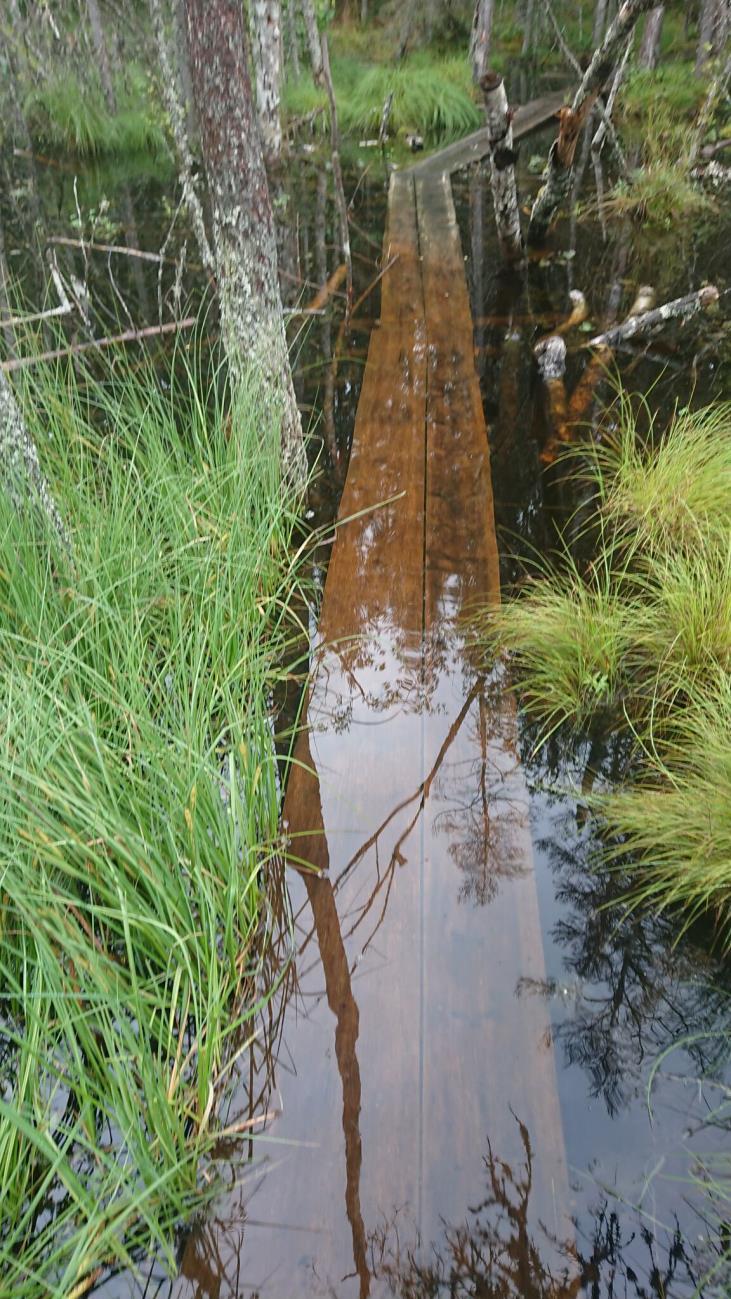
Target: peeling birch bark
[
  {"x": 502, "y": 166},
  {"x": 649, "y": 322},
  {"x": 22, "y": 475},
  {"x": 252, "y": 322},
  {"x": 559, "y": 169},
  {"x": 266, "y": 24}
]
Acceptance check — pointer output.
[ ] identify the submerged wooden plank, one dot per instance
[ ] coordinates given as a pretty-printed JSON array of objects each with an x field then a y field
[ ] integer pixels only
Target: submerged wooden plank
[
  {"x": 481, "y": 910},
  {"x": 409, "y": 1063}
]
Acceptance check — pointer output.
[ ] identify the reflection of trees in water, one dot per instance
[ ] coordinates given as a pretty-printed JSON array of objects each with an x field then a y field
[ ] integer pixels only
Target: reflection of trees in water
[
  {"x": 492, "y": 1253},
  {"x": 499, "y": 1252},
  {"x": 636, "y": 989}
]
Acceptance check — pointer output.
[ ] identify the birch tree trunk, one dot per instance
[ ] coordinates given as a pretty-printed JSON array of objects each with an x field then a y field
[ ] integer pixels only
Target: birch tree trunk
[
  {"x": 481, "y": 37},
  {"x": 294, "y": 49},
  {"x": 20, "y": 470},
  {"x": 245, "y": 253},
  {"x": 266, "y": 33},
  {"x": 502, "y": 168},
  {"x": 650, "y": 47},
  {"x": 559, "y": 169}
]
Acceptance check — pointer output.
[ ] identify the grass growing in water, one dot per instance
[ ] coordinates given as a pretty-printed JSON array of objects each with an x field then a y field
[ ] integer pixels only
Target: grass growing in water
[
  {"x": 433, "y": 97},
  {"x": 645, "y": 635},
  {"x": 138, "y": 810},
  {"x": 65, "y": 114}
]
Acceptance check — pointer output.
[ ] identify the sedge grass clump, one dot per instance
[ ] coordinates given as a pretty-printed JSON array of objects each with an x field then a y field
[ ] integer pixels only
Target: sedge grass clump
[
  {"x": 677, "y": 822},
  {"x": 68, "y": 115},
  {"x": 641, "y": 641},
  {"x": 431, "y": 96},
  {"x": 139, "y": 803},
  {"x": 569, "y": 640},
  {"x": 676, "y": 491}
]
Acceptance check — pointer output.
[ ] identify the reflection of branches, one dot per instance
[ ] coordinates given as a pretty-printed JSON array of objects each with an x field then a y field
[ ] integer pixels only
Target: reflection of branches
[{"x": 491, "y": 1255}]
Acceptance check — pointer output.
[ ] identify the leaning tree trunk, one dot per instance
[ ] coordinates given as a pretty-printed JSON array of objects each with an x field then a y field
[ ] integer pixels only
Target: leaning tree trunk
[
  {"x": 20, "y": 472},
  {"x": 481, "y": 37},
  {"x": 650, "y": 47},
  {"x": 245, "y": 251},
  {"x": 559, "y": 169},
  {"x": 266, "y": 34}
]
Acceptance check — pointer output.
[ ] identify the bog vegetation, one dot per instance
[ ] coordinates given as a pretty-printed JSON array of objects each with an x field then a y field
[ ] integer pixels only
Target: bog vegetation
[
  {"x": 640, "y": 638},
  {"x": 139, "y": 808}
]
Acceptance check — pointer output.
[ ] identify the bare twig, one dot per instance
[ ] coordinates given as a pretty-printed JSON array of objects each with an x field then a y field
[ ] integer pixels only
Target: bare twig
[{"x": 129, "y": 336}]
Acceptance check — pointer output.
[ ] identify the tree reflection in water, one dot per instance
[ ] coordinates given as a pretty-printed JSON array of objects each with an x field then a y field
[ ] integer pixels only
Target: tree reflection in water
[{"x": 493, "y": 1254}]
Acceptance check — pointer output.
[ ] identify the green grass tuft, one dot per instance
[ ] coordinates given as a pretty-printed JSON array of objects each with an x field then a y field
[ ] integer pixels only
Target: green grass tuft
[
  {"x": 66, "y": 115},
  {"x": 139, "y": 810}
]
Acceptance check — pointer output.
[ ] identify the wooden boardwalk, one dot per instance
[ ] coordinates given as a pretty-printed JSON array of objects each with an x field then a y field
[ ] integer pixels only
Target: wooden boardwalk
[{"x": 415, "y": 1061}]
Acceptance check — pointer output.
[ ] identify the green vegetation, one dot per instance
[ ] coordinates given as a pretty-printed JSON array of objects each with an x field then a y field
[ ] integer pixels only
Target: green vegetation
[
  {"x": 432, "y": 96},
  {"x": 66, "y": 114},
  {"x": 139, "y": 810},
  {"x": 642, "y": 639}
]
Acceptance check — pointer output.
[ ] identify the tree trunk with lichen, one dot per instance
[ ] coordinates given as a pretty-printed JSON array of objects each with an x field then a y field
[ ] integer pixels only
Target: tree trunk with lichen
[
  {"x": 559, "y": 169},
  {"x": 20, "y": 470},
  {"x": 266, "y": 39},
  {"x": 502, "y": 166},
  {"x": 245, "y": 253}
]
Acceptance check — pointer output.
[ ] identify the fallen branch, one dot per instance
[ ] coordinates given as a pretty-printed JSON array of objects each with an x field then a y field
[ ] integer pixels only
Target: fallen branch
[
  {"x": 107, "y": 248},
  {"x": 326, "y": 290},
  {"x": 129, "y": 336},
  {"x": 649, "y": 322}
]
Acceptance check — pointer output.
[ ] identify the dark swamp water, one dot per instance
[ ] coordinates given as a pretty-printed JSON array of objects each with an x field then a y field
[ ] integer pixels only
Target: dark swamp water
[{"x": 322, "y": 1200}]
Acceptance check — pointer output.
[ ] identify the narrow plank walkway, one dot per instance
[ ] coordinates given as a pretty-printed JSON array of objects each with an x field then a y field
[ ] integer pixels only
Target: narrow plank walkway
[{"x": 420, "y": 1124}]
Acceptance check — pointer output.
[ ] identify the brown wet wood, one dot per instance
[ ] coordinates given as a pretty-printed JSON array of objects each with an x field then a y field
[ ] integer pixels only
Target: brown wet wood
[
  {"x": 410, "y": 1061},
  {"x": 474, "y": 147}
]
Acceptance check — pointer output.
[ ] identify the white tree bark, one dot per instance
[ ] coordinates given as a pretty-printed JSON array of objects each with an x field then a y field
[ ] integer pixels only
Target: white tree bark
[
  {"x": 649, "y": 322},
  {"x": 502, "y": 166},
  {"x": 22, "y": 475},
  {"x": 650, "y": 47},
  {"x": 266, "y": 33}
]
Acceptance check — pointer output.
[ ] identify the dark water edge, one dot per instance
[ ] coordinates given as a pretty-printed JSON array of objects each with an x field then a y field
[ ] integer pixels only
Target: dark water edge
[{"x": 618, "y": 988}]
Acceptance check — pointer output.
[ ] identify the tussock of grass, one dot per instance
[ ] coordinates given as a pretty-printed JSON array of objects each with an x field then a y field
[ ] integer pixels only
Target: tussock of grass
[
  {"x": 677, "y": 824},
  {"x": 431, "y": 96},
  {"x": 645, "y": 635},
  {"x": 680, "y": 492},
  {"x": 66, "y": 115},
  {"x": 672, "y": 88},
  {"x": 138, "y": 811},
  {"x": 569, "y": 639}
]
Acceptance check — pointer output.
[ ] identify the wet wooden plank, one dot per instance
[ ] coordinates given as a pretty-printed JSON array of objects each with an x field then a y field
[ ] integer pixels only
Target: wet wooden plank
[
  {"x": 472, "y": 148},
  {"x": 480, "y": 908}
]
